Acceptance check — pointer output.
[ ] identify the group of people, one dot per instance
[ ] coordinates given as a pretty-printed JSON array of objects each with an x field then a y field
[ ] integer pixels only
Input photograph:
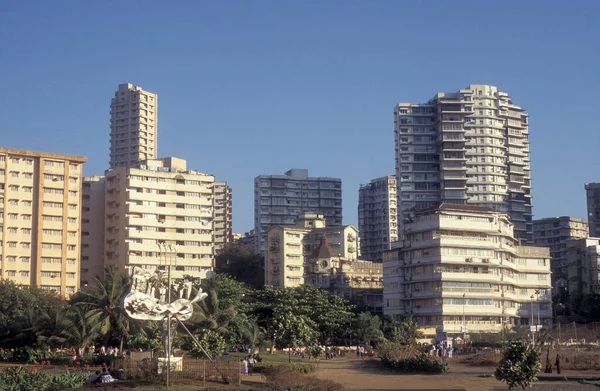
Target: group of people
[
  {"x": 247, "y": 365},
  {"x": 442, "y": 350},
  {"x": 101, "y": 377}
]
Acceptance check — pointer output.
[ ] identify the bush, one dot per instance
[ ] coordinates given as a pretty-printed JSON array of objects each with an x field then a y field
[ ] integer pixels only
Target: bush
[
  {"x": 20, "y": 379},
  {"x": 283, "y": 378},
  {"x": 519, "y": 365},
  {"x": 212, "y": 342},
  {"x": 295, "y": 367},
  {"x": 419, "y": 363}
]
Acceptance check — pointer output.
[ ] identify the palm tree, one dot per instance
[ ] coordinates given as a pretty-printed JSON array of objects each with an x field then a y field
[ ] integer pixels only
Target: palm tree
[
  {"x": 251, "y": 333},
  {"x": 104, "y": 308},
  {"x": 207, "y": 315},
  {"x": 52, "y": 326},
  {"x": 81, "y": 331}
]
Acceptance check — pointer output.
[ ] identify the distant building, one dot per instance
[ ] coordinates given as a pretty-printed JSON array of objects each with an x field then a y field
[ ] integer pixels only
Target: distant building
[
  {"x": 133, "y": 126},
  {"x": 583, "y": 258},
  {"x": 377, "y": 217},
  {"x": 222, "y": 215},
  {"x": 289, "y": 249},
  {"x": 460, "y": 269},
  {"x": 40, "y": 226},
  {"x": 554, "y": 232},
  {"x": 246, "y": 239},
  {"x": 593, "y": 208},
  {"x": 280, "y": 199},
  {"x": 465, "y": 147},
  {"x": 92, "y": 229}
]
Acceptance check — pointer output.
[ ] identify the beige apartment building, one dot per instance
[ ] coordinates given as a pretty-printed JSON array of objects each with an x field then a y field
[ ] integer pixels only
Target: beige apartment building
[
  {"x": 223, "y": 233},
  {"x": 289, "y": 249},
  {"x": 133, "y": 126},
  {"x": 40, "y": 210},
  {"x": 154, "y": 203},
  {"x": 461, "y": 270}
]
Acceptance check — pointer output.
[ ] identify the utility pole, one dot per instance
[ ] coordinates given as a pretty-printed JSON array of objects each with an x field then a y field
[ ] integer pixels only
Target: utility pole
[
  {"x": 464, "y": 321},
  {"x": 169, "y": 253},
  {"x": 532, "y": 325}
]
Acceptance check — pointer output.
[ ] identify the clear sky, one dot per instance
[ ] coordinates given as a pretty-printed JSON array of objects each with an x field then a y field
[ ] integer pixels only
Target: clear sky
[{"x": 257, "y": 87}]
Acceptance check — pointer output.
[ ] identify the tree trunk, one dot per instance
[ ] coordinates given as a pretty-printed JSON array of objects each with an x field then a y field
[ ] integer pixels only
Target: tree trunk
[
  {"x": 121, "y": 345},
  {"x": 290, "y": 355}
]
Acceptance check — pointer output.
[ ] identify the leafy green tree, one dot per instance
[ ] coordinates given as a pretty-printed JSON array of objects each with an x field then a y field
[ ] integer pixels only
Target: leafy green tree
[
  {"x": 242, "y": 264},
  {"x": 213, "y": 343},
  {"x": 405, "y": 332},
  {"x": 368, "y": 329},
  {"x": 519, "y": 365},
  {"x": 104, "y": 308},
  {"x": 52, "y": 328},
  {"x": 231, "y": 293},
  {"x": 292, "y": 331}
]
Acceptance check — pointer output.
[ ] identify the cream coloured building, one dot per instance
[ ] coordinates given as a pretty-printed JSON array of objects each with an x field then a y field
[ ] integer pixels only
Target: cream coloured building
[
  {"x": 583, "y": 260},
  {"x": 156, "y": 202},
  {"x": 92, "y": 229},
  {"x": 133, "y": 126},
  {"x": 40, "y": 206},
  {"x": 223, "y": 233},
  {"x": 377, "y": 217},
  {"x": 289, "y": 249},
  {"x": 460, "y": 269}
]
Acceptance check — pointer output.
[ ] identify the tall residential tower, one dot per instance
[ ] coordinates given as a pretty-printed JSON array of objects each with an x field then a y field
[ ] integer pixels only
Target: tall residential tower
[
  {"x": 467, "y": 147},
  {"x": 133, "y": 122},
  {"x": 377, "y": 215},
  {"x": 280, "y": 199}
]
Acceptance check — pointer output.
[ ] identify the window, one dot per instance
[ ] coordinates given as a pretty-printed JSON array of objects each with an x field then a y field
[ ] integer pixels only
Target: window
[
  {"x": 73, "y": 206},
  {"x": 27, "y": 189},
  {"x": 13, "y": 216},
  {"x": 72, "y": 220},
  {"x": 13, "y": 187},
  {"x": 14, "y": 174},
  {"x": 53, "y": 163},
  {"x": 25, "y": 245},
  {"x": 14, "y": 160},
  {"x": 12, "y": 230},
  {"x": 71, "y": 247},
  {"x": 24, "y": 273},
  {"x": 71, "y": 261},
  {"x": 12, "y": 244},
  {"x": 26, "y": 217},
  {"x": 25, "y": 259}
]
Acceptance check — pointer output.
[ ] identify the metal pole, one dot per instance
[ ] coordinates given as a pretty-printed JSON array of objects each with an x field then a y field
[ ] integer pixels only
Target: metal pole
[
  {"x": 169, "y": 321},
  {"x": 464, "y": 321},
  {"x": 532, "y": 325}
]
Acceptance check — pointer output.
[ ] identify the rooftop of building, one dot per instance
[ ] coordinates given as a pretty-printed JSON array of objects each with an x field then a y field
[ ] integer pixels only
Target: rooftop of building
[
  {"x": 323, "y": 251},
  {"x": 300, "y": 174},
  {"x": 44, "y": 155},
  {"x": 546, "y": 220},
  {"x": 445, "y": 207}
]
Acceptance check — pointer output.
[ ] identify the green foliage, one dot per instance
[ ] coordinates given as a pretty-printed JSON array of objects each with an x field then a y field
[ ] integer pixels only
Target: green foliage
[
  {"x": 519, "y": 365},
  {"x": 251, "y": 334},
  {"x": 405, "y": 332},
  {"x": 367, "y": 329},
  {"x": 419, "y": 363},
  {"x": 212, "y": 342},
  {"x": 20, "y": 379},
  {"x": 296, "y": 367},
  {"x": 150, "y": 339},
  {"x": 242, "y": 264}
]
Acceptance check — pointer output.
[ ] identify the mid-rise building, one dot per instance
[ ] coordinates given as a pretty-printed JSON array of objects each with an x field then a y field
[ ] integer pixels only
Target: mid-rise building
[
  {"x": 92, "y": 229},
  {"x": 152, "y": 204},
  {"x": 554, "y": 232},
  {"x": 280, "y": 199},
  {"x": 583, "y": 259},
  {"x": 592, "y": 191},
  {"x": 459, "y": 268},
  {"x": 289, "y": 249},
  {"x": 377, "y": 217},
  {"x": 133, "y": 126},
  {"x": 466, "y": 147},
  {"x": 223, "y": 232},
  {"x": 40, "y": 206}
]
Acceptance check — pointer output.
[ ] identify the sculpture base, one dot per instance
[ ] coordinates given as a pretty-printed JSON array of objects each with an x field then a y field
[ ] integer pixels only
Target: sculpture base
[{"x": 176, "y": 364}]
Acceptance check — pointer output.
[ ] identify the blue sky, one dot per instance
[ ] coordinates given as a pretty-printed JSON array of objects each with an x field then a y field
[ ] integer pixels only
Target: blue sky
[{"x": 258, "y": 87}]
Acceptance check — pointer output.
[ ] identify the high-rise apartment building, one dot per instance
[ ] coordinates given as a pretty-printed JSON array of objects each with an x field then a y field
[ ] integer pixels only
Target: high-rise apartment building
[
  {"x": 133, "y": 126},
  {"x": 377, "y": 217},
  {"x": 468, "y": 147},
  {"x": 592, "y": 191},
  {"x": 92, "y": 229},
  {"x": 40, "y": 206},
  {"x": 459, "y": 268},
  {"x": 554, "y": 232},
  {"x": 223, "y": 233},
  {"x": 583, "y": 259},
  {"x": 291, "y": 249},
  {"x": 280, "y": 199},
  {"x": 156, "y": 202}
]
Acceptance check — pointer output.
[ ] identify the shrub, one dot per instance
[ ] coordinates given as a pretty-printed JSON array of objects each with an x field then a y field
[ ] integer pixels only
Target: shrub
[
  {"x": 284, "y": 378},
  {"x": 20, "y": 379},
  {"x": 519, "y": 365},
  {"x": 212, "y": 342},
  {"x": 419, "y": 363},
  {"x": 295, "y": 367}
]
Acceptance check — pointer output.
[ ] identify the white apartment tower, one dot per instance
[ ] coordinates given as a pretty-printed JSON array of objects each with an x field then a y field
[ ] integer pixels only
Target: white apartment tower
[
  {"x": 133, "y": 126},
  {"x": 40, "y": 210},
  {"x": 223, "y": 233},
  {"x": 281, "y": 199},
  {"x": 467, "y": 147},
  {"x": 377, "y": 214},
  {"x": 459, "y": 268}
]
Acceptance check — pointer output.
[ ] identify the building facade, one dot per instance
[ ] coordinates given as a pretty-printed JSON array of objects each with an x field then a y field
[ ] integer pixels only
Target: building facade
[
  {"x": 223, "y": 232},
  {"x": 468, "y": 147},
  {"x": 289, "y": 249},
  {"x": 133, "y": 126},
  {"x": 155, "y": 203},
  {"x": 554, "y": 232},
  {"x": 377, "y": 217},
  {"x": 92, "y": 229},
  {"x": 460, "y": 269},
  {"x": 583, "y": 259},
  {"x": 280, "y": 199},
  {"x": 592, "y": 191},
  {"x": 40, "y": 207}
]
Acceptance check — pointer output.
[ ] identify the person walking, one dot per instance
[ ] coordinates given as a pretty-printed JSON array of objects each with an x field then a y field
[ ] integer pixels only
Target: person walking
[
  {"x": 558, "y": 363},
  {"x": 357, "y": 351},
  {"x": 327, "y": 353},
  {"x": 244, "y": 368},
  {"x": 250, "y": 365}
]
